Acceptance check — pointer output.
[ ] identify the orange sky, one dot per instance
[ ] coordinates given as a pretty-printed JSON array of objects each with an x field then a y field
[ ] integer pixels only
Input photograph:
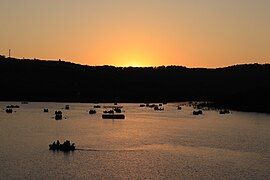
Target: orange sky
[{"x": 193, "y": 33}]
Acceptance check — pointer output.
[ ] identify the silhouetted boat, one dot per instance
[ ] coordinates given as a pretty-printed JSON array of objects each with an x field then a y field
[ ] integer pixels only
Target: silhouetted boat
[
  {"x": 113, "y": 116},
  {"x": 45, "y": 110},
  {"x": 12, "y": 106},
  {"x": 156, "y": 108},
  {"x": 58, "y": 115},
  {"x": 179, "y": 108},
  {"x": 199, "y": 112},
  {"x": 117, "y": 110},
  {"x": 112, "y": 107},
  {"x": 142, "y": 105},
  {"x": 9, "y": 111},
  {"x": 92, "y": 111},
  {"x": 66, "y": 146},
  {"x": 67, "y": 107},
  {"x": 97, "y": 106}
]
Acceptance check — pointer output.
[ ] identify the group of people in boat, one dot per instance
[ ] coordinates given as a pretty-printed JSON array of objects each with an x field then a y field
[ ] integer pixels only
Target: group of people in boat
[
  {"x": 66, "y": 146},
  {"x": 58, "y": 115},
  {"x": 92, "y": 111},
  {"x": 9, "y": 108},
  {"x": 112, "y": 111}
]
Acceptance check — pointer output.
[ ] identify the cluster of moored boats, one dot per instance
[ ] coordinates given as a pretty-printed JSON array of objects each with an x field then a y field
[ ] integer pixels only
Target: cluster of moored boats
[
  {"x": 156, "y": 107},
  {"x": 115, "y": 112},
  {"x": 9, "y": 108}
]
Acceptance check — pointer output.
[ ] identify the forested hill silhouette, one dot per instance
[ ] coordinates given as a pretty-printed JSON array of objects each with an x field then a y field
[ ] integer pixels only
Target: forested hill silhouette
[{"x": 241, "y": 87}]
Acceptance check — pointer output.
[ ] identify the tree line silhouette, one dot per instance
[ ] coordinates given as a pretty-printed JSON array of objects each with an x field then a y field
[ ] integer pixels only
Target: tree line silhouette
[{"x": 240, "y": 87}]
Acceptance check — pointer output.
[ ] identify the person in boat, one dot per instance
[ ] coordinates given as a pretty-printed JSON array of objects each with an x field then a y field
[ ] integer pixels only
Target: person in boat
[
  {"x": 108, "y": 112},
  {"x": 9, "y": 110},
  {"x": 57, "y": 143},
  {"x": 117, "y": 110},
  {"x": 92, "y": 111}
]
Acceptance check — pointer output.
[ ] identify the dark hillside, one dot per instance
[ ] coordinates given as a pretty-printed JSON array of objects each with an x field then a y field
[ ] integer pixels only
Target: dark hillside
[{"x": 241, "y": 87}]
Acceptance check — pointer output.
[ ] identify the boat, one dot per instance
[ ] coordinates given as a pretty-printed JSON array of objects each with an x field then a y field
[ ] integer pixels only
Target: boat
[
  {"x": 12, "y": 106},
  {"x": 117, "y": 110},
  {"x": 9, "y": 111},
  {"x": 112, "y": 107},
  {"x": 199, "y": 112},
  {"x": 113, "y": 116},
  {"x": 45, "y": 110},
  {"x": 179, "y": 107},
  {"x": 97, "y": 106},
  {"x": 156, "y": 108},
  {"x": 58, "y": 115},
  {"x": 66, "y": 146},
  {"x": 67, "y": 107},
  {"x": 142, "y": 105},
  {"x": 92, "y": 111}
]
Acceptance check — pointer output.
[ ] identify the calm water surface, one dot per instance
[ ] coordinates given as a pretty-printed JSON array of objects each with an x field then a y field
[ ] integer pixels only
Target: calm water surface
[{"x": 171, "y": 144}]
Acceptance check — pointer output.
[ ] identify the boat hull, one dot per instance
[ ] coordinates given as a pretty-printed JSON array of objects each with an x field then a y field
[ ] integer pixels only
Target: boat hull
[{"x": 113, "y": 116}]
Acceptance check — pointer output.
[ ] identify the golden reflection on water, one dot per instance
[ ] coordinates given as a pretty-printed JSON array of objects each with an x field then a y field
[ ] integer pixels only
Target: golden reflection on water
[{"x": 170, "y": 144}]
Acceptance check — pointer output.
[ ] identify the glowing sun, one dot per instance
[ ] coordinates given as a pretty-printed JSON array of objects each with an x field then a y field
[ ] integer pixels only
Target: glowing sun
[{"x": 134, "y": 60}]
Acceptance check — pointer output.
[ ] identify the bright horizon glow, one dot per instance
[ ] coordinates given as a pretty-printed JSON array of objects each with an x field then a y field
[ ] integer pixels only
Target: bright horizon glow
[{"x": 201, "y": 33}]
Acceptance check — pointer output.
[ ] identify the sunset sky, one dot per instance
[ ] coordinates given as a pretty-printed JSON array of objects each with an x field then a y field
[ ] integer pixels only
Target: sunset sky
[{"x": 193, "y": 33}]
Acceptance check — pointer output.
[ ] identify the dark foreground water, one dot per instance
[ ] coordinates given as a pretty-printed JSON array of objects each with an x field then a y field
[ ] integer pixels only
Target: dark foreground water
[{"x": 154, "y": 145}]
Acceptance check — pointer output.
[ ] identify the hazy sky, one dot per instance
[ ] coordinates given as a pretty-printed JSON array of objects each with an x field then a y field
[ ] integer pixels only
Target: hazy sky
[{"x": 206, "y": 33}]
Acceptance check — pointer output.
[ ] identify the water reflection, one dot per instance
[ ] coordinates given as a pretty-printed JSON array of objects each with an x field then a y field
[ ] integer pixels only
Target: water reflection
[{"x": 169, "y": 144}]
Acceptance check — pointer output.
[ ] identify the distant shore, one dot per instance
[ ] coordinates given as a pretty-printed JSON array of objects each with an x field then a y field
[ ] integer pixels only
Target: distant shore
[{"x": 241, "y": 87}]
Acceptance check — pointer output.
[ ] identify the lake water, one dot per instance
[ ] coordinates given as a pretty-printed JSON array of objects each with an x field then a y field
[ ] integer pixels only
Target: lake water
[{"x": 169, "y": 144}]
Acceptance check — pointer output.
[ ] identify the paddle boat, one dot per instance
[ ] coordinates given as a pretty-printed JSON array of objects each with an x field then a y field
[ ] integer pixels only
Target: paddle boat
[
  {"x": 92, "y": 111},
  {"x": 199, "y": 112}
]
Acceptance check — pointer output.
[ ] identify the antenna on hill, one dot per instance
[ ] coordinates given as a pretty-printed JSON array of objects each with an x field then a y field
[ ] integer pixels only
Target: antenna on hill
[{"x": 9, "y": 53}]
